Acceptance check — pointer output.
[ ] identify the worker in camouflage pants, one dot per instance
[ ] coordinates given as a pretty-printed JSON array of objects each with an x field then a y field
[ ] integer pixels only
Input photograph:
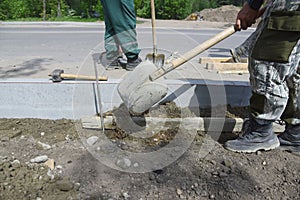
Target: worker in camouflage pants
[
  {"x": 274, "y": 77},
  {"x": 244, "y": 49},
  {"x": 120, "y": 33}
]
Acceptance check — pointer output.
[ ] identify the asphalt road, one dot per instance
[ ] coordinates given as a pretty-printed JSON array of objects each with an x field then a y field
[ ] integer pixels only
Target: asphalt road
[{"x": 32, "y": 51}]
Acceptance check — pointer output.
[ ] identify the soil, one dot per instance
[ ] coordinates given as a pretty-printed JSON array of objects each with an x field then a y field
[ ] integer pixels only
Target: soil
[
  {"x": 226, "y": 13},
  {"x": 205, "y": 170}
]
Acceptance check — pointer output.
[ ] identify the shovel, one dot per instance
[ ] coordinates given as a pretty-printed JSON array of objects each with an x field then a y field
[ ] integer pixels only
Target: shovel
[
  {"x": 157, "y": 59},
  {"x": 139, "y": 90}
]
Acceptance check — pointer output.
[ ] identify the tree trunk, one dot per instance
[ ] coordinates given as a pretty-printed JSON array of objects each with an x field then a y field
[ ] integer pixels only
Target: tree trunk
[
  {"x": 44, "y": 10},
  {"x": 58, "y": 8}
]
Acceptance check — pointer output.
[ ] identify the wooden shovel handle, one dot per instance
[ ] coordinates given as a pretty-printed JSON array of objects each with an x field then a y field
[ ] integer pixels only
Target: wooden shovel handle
[
  {"x": 192, "y": 53},
  {"x": 153, "y": 22},
  {"x": 92, "y": 78}
]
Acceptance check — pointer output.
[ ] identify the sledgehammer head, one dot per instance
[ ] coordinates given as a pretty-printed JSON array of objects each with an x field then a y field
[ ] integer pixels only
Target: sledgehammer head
[
  {"x": 56, "y": 75},
  {"x": 138, "y": 92}
]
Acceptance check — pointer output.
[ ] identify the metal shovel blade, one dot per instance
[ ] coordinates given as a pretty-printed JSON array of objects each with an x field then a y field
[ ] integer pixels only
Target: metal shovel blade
[
  {"x": 157, "y": 59},
  {"x": 138, "y": 92}
]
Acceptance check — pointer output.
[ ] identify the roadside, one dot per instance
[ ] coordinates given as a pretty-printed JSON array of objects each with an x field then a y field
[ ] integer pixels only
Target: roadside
[{"x": 141, "y": 22}]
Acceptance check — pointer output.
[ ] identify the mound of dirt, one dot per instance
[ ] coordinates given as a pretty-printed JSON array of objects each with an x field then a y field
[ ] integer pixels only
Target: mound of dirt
[
  {"x": 226, "y": 13},
  {"x": 205, "y": 171}
]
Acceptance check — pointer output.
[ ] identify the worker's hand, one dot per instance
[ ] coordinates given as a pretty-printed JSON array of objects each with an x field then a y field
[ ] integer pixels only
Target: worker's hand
[
  {"x": 246, "y": 17},
  {"x": 261, "y": 12}
]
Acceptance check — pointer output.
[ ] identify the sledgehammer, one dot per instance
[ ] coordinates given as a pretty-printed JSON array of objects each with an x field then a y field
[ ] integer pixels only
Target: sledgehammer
[{"x": 58, "y": 75}]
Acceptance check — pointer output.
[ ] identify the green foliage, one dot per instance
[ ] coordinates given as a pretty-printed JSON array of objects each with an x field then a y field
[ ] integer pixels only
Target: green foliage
[
  {"x": 199, "y": 5},
  {"x": 179, "y": 9},
  {"x": 167, "y": 9},
  {"x": 15, "y": 9}
]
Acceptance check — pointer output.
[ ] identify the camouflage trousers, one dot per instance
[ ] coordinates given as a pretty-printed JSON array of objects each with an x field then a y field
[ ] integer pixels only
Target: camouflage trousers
[{"x": 276, "y": 85}]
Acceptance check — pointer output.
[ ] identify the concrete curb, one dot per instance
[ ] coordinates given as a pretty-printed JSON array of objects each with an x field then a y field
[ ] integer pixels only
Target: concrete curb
[
  {"x": 40, "y": 98},
  {"x": 213, "y": 124}
]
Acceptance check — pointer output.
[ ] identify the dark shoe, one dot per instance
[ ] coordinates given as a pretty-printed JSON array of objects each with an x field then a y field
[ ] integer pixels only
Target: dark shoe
[
  {"x": 236, "y": 58},
  {"x": 238, "y": 54},
  {"x": 254, "y": 137},
  {"x": 118, "y": 63},
  {"x": 290, "y": 138},
  {"x": 133, "y": 63},
  {"x": 111, "y": 64}
]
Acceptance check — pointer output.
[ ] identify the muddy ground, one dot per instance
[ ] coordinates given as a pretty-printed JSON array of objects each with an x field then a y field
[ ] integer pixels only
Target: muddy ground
[{"x": 78, "y": 174}]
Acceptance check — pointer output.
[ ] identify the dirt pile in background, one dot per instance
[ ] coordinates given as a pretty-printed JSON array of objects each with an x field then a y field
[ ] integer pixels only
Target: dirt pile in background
[{"x": 226, "y": 13}]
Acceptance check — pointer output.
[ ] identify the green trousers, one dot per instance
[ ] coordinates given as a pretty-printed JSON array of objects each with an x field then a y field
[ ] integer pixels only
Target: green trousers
[{"x": 120, "y": 25}]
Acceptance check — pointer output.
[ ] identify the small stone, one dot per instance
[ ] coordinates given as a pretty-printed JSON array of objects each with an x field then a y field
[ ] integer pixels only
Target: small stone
[
  {"x": 211, "y": 196},
  {"x": 42, "y": 133},
  {"x": 15, "y": 133},
  {"x": 223, "y": 174},
  {"x": 124, "y": 163},
  {"x": 124, "y": 147},
  {"x": 161, "y": 178},
  {"x": 58, "y": 167},
  {"x": 3, "y": 157},
  {"x": 16, "y": 163},
  {"x": 50, "y": 163},
  {"x": 204, "y": 193},
  {"x": 179, "y": 191},
  {"x": 77, "y": 186},
  {"x": 228, "y": 163},
  {"x": 39, "y": 159},
  {"x": 126, "y": 195},
  {"x": 5, "y": 139},
  {"x": 212, "y": 162},
  {"x": 44, "y": 146},
  {"x": 258, "y": 153},
  {"x": 92, "y": 140},
  {"x": 50, "y": 174},
  {"x": 215, "y": 173},
  {"x": 64, "y": 185},
  {"x": 151, "y": 177},
  {"x": 135, "y": 164},
  {"x": 264, "y": 163}
]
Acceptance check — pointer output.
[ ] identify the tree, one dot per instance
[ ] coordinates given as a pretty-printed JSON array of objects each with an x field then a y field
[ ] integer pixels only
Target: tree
[
  {"x": 167, "y": 9},
  {"x": 58, "y": 8},
  {"x": 44, "y": 10}
]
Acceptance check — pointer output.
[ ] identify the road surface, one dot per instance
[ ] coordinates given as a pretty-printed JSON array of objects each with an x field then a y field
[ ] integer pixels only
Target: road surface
[{"x": 32, "y": 51}]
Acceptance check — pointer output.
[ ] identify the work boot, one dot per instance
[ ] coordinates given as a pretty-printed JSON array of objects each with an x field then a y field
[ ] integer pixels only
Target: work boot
[
  {"x": 133, "y": 63},
  {"x": 237, "y": 54},
  {"x": 254, "y": 137},
  {"x": 117, "y": 63},
  {"x": 290, "y": 138}
]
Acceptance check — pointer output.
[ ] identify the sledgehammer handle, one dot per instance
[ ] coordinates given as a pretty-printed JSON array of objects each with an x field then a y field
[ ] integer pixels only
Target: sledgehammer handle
[
  {"x": 192, "y": 53},
  {"x": 83, "y": 77}
]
